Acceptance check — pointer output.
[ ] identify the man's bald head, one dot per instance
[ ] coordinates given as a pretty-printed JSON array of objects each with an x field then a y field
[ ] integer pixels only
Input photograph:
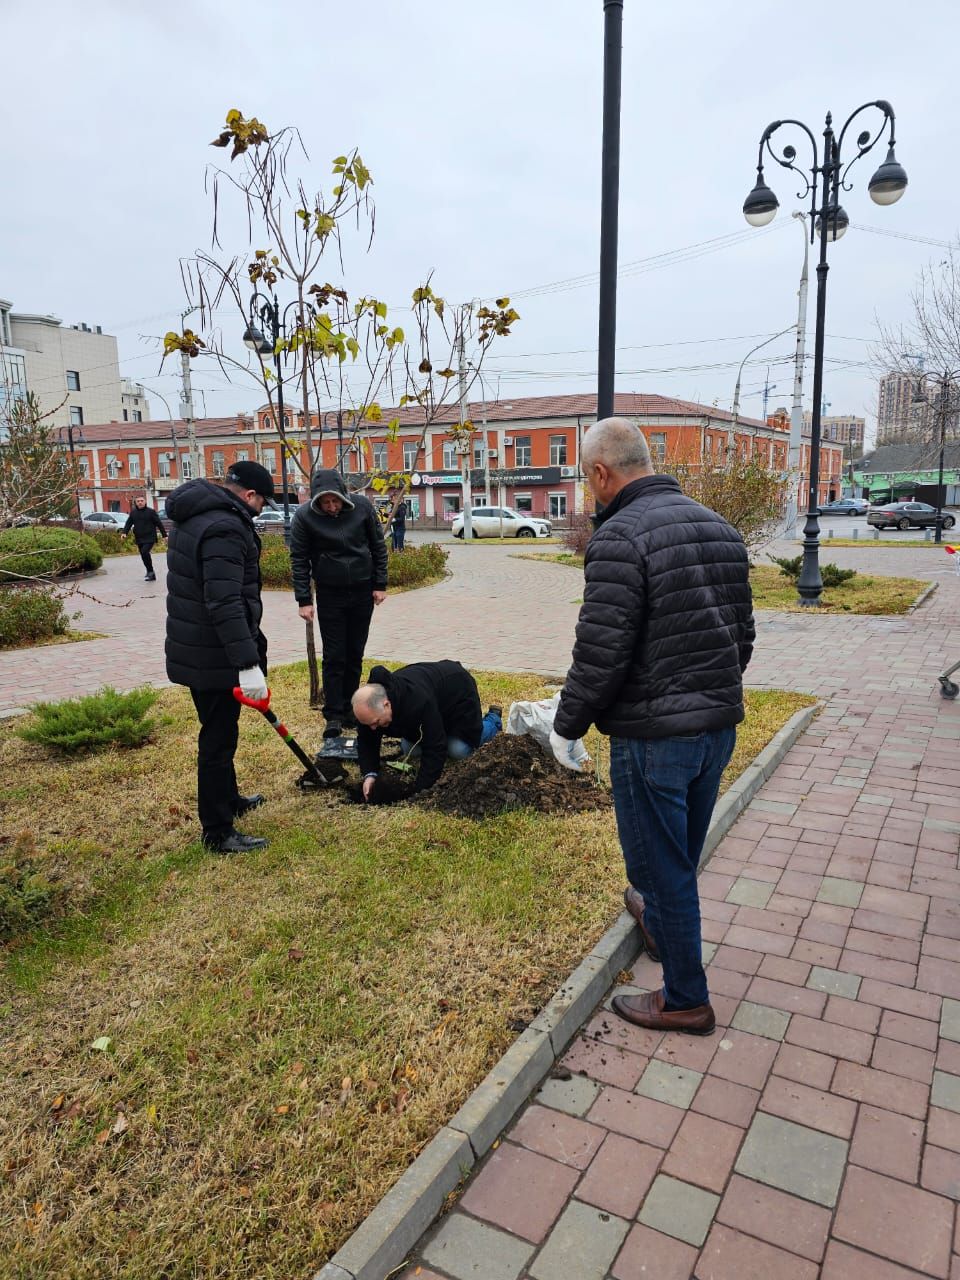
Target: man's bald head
[{"x": 613, "y": 453}]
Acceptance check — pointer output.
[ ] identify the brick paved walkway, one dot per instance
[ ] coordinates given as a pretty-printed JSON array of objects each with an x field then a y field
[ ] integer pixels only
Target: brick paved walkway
[{"x": 818, "y": 1132}]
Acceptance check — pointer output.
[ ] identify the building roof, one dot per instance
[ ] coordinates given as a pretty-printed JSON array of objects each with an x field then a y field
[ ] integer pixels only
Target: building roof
[
  {"x": 889, "y": 458},
  {"x": 157, "y": 429},
  {"x": 529, "y": 408}
]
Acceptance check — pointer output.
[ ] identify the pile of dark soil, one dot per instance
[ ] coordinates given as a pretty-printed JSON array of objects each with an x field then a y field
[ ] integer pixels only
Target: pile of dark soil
[
  {"x": 507, "y": 773},
  {"x": 512, "y": 773}
]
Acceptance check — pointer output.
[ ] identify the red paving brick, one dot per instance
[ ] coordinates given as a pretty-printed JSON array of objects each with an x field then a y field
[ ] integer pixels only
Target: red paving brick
[
  {"x": 647, "y": 1254},
  {"x": 887, "y": 1143},
  {"x": 520, "y": 1191},
  {"x": 558, "y": 1136},
  {"x": 902, "y": 1223},
  {"x": 744, "y": 1059},
  {"x": 724, "y": 1100},
  {"x": 844, "y": 1263},
  {"x": 731, "y": 1255},
  {"x": 810, "y": 1107},
  {"x": 703, "y": 1151},
  {"x": 773, "y": 1216},
  {"x": 636, "y": 1117},
  {"x": 620, "y": 1175}
]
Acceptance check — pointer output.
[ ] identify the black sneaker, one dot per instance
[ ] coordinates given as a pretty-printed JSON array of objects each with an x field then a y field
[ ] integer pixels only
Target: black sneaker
[
  {"x": 334, "y": 728},
  {"x": 246, "y": 803},
  {"x": 234, "y": 842},
  {"x": 151, "y": 577}
]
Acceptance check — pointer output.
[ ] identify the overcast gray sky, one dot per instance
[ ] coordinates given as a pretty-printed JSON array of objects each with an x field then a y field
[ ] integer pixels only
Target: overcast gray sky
[{"x": 481, "y": 125}]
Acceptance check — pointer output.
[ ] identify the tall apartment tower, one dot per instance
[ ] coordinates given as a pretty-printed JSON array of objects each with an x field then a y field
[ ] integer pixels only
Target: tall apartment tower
[{"x": 899, "y": 420}]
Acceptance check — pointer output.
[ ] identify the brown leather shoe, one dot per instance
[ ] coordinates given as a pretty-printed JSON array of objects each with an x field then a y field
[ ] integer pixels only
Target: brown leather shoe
[
  {"x": 648, "y": 1011},
  {"x": 633, "y": 901}
]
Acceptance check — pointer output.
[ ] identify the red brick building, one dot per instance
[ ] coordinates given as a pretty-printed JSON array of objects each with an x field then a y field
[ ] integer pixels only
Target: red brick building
[{"x": 531, "y": 461}]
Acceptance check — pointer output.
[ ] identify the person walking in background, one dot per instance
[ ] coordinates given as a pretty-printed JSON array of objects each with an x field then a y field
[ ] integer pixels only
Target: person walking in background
[
  {"x": 398, "y": 526},
  {"x": 337, "y": 551},
  {"x": 214, "y": 641},
  {"x": 147, "y": 527},
  {"x": 664, "y": 635}
]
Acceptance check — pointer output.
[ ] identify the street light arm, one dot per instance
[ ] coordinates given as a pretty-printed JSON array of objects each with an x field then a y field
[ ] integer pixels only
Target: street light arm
[
  {"x": 865, "y": 141},
  {"x": 789, "y": 154}
]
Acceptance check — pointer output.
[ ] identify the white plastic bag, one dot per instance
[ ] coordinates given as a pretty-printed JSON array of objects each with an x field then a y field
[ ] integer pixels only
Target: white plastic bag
[{"x": 536, "y": 719}]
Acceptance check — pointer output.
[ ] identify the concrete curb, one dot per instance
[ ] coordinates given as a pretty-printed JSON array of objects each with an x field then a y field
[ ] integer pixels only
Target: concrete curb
[
  {"x": 923, "y": 597},
  {"x": 382, "y": 1241}
]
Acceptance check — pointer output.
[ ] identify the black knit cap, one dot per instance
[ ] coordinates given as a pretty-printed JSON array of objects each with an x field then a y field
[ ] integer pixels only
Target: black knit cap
[{"x": 250, "y": 475}]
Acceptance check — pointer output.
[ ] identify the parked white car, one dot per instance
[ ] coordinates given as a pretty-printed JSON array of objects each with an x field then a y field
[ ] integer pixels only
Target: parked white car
[
  {"x": 488, "y": 522},
  {"x": 105, "y": 520}
]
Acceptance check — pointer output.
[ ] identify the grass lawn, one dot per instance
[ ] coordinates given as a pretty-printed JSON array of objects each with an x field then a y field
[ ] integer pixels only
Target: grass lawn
[
  {"x": 771, "y": 590},
  {"x": 860, "y": 595},
  {"x": 869, "y": 541},
  {"x": 284, "y": 1030}
]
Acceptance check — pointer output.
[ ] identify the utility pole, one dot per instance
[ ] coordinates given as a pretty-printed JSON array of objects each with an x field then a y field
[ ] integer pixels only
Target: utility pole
[
  {"x": 186, "y": 406},
  {"x": 735, "y": 415},
  {"x": 796, "y": 409},
  {"x": 609, "y": 205},
  {"x": 465, "y": 458}
]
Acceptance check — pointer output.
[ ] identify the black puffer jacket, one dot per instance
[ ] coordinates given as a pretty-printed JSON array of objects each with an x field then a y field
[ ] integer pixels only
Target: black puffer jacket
[
  {"x": 146, "y": 525},
  {"x": 431, "y": 702},
  {"x": 340, "y": 551},
  {"x": 666, "y": 628},
  {"x": 213, "y": 588}
]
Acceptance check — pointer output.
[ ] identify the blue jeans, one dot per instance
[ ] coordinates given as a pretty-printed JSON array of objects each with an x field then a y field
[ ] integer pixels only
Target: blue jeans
[
  {"x": 457, "y": 749},
  {"x": 664, "y": 790}
]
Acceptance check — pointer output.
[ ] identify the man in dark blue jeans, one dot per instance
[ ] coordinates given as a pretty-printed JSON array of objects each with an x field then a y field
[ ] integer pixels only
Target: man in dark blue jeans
[{"x": 664, "y": 635}]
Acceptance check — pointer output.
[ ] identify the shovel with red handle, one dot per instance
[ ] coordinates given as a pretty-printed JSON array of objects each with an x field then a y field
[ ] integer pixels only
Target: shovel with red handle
[{"x": 313, "y": 777}]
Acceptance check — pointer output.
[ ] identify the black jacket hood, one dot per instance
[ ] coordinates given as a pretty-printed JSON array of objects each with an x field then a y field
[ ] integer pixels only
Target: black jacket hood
[
  {"x": 197, "y": 496},
  {"x": 328, "y": 481}
]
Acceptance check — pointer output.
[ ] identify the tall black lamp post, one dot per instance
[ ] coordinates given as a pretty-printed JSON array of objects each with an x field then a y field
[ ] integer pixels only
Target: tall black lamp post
[
  {"x": 945, "y": 406},
  {"x": 275, "y": 323},
  {"x": 828, "y": 175}
]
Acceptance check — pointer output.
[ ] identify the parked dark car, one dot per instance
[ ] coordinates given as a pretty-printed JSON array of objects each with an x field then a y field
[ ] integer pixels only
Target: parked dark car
[
  {"x": 908, "y": 515},
  {"x": 846, "y": 507}
]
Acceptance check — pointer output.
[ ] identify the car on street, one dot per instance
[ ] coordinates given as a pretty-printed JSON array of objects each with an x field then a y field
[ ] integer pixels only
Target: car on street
[
  {"x": 846, "y": 507},
  {"x": 270, "y": 521},
  {"x": 487, "y": 522},
  {"x": 94, "y": 520},
  {"x": 908, "y": 515}
]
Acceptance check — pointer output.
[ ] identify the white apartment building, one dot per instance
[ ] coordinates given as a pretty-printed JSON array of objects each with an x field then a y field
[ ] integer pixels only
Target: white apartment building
[
  {"x": 73, "y": 371},
  {"x": 136, "y": 407}
]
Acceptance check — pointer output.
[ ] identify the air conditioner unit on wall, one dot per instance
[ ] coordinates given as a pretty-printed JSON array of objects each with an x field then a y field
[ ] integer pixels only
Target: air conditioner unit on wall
[
  {"x": 507, "y": 441},
  {"x": 492, "y": 453},
  {"x": 568, "y": 473}
]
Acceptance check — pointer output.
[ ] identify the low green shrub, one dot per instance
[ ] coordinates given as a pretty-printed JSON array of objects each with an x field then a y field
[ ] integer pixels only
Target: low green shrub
[
  {"x": 30, "y": 614},
  {"x": 404, "y": 568},
  {"x": 87, "y": 724},
  {"x": 830, "y": 574},
  {"x": 26, "y": 896},
  {"x": 416, "y": 564},
  {"x": 42, "y": 552}
]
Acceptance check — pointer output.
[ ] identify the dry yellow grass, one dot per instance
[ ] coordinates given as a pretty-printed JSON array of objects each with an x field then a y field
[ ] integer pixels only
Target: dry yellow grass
[{"x": 286, "y": 1030}]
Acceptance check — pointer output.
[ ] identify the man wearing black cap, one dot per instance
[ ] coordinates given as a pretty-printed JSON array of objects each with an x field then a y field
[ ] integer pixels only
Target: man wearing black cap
[{"x": 214, "y": 641}]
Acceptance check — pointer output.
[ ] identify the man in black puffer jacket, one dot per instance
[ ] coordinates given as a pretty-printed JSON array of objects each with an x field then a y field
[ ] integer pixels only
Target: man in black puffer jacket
[
  {"x": 337, "y": 547},
  {"x": 214, "y": 641},
  {"x": 147, "y": 527},
  {"x": 664, "y": 635}
]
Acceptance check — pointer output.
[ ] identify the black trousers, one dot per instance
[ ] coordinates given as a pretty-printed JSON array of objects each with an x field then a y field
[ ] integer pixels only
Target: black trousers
[
  {"x": 344, "y": 620},
  {"x": 217, "y": 794},
  {"x": 145, "y": 548}
]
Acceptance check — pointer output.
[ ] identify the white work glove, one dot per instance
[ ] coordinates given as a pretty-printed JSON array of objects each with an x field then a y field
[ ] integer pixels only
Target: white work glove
[
  {"x": 562, "y": 749},
  {"x": 253, "y": 684}
]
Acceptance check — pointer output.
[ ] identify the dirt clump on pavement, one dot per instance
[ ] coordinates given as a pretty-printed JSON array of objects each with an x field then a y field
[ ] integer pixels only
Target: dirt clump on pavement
[{"x": 509, "y": 772}]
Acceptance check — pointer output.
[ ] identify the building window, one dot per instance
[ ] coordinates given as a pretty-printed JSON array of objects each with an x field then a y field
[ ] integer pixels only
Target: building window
[
  {"x": 267, "y": 422},
  {"x": 73, "y": 380},
  {"x": 478, "y": 452},
  {"x": 84, "y": 465},
  {"x": 126, "y": 416},
  {"x": 523, "y": 502},
  {"x": 243, "y": 455},
  {"x": 379, "y": 457},
  {"x": 76, "y": 416},
  {"x": 450, "y": 460},
  {"x": 137, "y": 415},
  {"x": 558, "y": 506},
  {"x": 217, "y": 462},
  {"x": 657, "y": 440},
  {"x": 524, "y": 452},
  {"x": 558, "y": 451},
  {"x": 186, "y": 466},
  {"x": 133, "y": 466},
  {"x": 113, "y": 467},
  {"x": 163, "y": 465},
  {"x": 410, "y": 450},
  {"x": 114, "y": 505},
  {"x": 451, "y": 505},
  {"x": 270, "y": 460}
]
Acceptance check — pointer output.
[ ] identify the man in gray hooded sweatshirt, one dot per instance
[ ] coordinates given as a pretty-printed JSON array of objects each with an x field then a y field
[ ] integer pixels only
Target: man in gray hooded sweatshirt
[{"x": 337, "y": 550}]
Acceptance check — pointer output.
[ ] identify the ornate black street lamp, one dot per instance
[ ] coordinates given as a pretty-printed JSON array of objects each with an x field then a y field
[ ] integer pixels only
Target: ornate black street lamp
[
  {"x": 275, "y": 324},
  {"x": 829, "y": 221}
]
